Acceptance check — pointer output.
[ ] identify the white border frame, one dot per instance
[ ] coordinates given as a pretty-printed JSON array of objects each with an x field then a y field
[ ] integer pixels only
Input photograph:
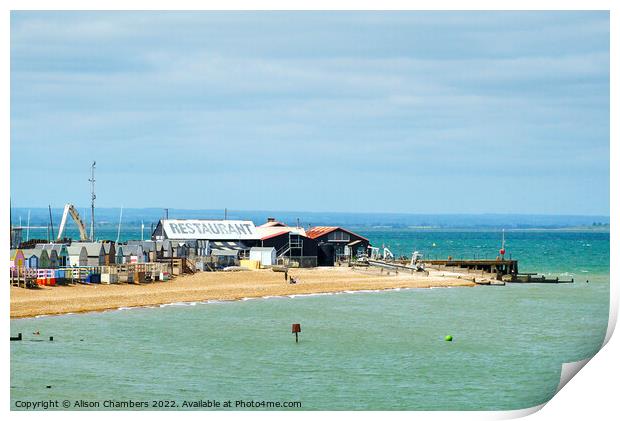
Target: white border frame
[{"x": 593, "y": 393}]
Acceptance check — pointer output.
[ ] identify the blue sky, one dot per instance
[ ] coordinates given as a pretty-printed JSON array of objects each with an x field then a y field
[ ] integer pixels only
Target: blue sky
[{"x": 415, "y": 112}]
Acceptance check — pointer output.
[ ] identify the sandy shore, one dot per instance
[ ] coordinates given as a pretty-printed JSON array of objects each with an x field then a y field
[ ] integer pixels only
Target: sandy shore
[{"x": 217, "y": 286}]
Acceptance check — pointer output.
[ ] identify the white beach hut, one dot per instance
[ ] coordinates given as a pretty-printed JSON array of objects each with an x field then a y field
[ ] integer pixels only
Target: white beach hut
[
  {"x": 95, "y": 252},
  {"x": 78, "y": 256}
]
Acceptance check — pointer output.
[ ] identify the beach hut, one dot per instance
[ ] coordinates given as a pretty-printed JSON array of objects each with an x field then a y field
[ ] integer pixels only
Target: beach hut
[
  {"x": 265, "y": 255},
  {"x": 164, "y": 249},
  {"x": 52, "y": 258},
  {"x": 31, "y": 261},
  {"x": 78, "y": 256},
  {"x": 149, "y": 251},
  {"x": 95, "y": 252},
  {"x": 58, "y": 255},
  {"x": 133, "y": 254},
  {"x": 120, "y": 255},
  {"x": 180, "y": 248},
  {"x": 62, "y": 254},
  {"x": 17, "y": 258},
  {"x": 149, "y": 248},
  {"x": 37, "y": 259},
  {"x": 110, "y": 253},
  {"x": 31, "y": 258}
]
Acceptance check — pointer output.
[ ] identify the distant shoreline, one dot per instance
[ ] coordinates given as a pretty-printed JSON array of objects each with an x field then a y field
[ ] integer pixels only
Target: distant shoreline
[
  {"x": 378, "y": 228},
  {"x": 605, "y": 229},
  {"x": 220, "y": 286},
  {"x": 108, "y": 217}
]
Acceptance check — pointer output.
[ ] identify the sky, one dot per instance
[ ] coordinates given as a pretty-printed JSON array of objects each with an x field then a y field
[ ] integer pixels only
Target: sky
[{"x": 409, "y": 112}]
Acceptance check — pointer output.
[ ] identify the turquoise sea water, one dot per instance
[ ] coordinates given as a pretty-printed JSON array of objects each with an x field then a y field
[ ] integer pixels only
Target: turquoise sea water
[{"x": 373, "y": 350}]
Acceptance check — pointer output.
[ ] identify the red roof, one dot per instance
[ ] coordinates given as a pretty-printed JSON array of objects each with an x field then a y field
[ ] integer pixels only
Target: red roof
[
  {"x": 269, "y": 232},
  {"x": 275, "y": 234},
  {"x": 316, "y": 232}
]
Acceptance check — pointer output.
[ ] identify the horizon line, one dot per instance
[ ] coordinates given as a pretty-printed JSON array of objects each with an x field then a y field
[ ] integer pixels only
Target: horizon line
[{"x": 337, "y": 212}]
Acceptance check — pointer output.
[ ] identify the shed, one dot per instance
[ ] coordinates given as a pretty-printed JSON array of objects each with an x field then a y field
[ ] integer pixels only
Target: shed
[
  {"x": 225, "y": 257},
  {"x": 265, "y": 255},
  {"x": 78, "y": 256}
]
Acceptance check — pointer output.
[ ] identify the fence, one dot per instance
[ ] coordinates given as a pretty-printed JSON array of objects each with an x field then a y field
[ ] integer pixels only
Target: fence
[
  {"x": 298, "y": 261},
  {"x": 130, "y": 273}
]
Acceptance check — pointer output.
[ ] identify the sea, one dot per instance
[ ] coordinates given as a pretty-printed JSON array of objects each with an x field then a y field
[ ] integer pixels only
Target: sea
[{"x": 370, "y": 350}]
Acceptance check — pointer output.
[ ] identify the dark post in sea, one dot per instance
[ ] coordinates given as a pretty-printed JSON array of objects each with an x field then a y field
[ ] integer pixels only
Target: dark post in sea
[{"x": 296, "y": 329}]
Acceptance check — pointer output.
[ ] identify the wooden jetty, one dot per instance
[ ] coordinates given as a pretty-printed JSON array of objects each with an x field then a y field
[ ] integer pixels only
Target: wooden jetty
[
  {"x": 396, "y": 267},
  {"x": 498, "y": 266}
]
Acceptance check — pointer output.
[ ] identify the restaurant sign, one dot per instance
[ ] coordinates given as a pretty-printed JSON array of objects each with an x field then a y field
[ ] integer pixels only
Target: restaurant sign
[{"x": 204, "y": 229}]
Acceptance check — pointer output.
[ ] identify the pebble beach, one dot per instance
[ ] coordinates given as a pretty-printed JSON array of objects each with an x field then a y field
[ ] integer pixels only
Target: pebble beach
[{"x": 205, "y": 286}]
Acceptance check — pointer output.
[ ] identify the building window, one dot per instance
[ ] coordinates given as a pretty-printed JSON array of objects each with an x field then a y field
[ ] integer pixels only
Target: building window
[{"x": 338, "y": 236}]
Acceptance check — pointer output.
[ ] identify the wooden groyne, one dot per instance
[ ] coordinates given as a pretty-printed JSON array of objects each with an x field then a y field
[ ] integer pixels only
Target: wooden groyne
[
  {"x": 491, "y": 282},
  {"x": 532, "y": 278}
]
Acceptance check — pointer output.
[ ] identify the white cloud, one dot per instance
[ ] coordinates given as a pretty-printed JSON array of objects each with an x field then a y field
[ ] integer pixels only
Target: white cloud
[{"x": 353, "y": 93}]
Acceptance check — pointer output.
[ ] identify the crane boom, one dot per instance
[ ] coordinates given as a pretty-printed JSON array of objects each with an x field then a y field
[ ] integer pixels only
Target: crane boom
[{"x": 70, "y": 210}]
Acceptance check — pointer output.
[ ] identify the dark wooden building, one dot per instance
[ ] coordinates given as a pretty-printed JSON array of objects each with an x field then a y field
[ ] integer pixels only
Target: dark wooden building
[
  {"x": 292, "y": 244},
  {"x": 337, "y": 243}
]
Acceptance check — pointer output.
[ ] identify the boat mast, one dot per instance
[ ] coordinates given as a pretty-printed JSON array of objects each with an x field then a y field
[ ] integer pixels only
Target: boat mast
[
  {"x": 28, "y": 227},
  {"x": 92, "y": 201},
  {"x": 51, "y": 221},
  {"x": 120, "y": 218}
]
